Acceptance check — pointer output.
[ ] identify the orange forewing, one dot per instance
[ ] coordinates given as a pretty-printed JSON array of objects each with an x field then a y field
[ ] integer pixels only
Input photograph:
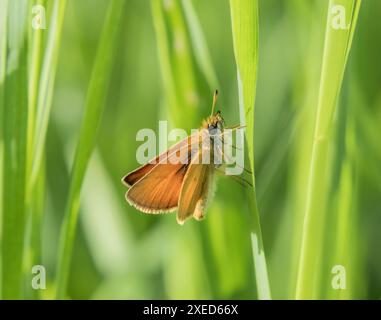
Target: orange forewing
[
  {"x": 134, "y": 176},
  {"x": 155, "y": 188},
  {"x": 159, "y": 190}
]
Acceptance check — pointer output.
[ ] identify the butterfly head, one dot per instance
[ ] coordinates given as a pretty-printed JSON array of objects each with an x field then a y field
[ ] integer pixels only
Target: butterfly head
[{"x": 214, "y": 123}]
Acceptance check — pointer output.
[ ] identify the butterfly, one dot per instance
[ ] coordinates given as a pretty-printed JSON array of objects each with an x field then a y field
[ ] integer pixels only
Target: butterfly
[{"x": 179, "y": 179}]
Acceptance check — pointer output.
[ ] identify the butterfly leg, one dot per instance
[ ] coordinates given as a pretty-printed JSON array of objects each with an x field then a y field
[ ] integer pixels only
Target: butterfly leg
[
  {"x": 243, "y": 182},
  {"x": 223, "y": 154}
]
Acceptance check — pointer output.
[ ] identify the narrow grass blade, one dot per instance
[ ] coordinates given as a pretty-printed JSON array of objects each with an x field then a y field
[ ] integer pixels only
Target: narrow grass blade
[
  {"x": 35, "y": 61},
  {"x": 92, "y": 115},
  {"x": 42, "y": 66},
  {"x": 40, "y": 116},
  {"x": 15, "y": 119},
  {"x": 244, "y": 16},
  {"x": 344, "y": 250},
  {"x": 164, "y": 56},
  {"x": 346, "y": 236},
  {"x": 338, "y": 39},
  {"x": 33, "y": 193},
  {"x": 34, "y": 232},
  {"x": 199, "y": 45},
  {"x": 310, "y": 37},
  {"x": 3, "y": 57},
  {"x": 177, "y": 68}
]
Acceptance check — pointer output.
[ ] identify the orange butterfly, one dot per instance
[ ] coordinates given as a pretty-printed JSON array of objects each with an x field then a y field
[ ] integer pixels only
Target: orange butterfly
[{"x": 178, "y": 179}]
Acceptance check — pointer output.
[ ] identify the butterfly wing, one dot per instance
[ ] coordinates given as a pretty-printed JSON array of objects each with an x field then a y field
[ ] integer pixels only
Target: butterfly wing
[
  {"x": 131, "y": 178},
  {"x": 155, "y": 188},
  {"x": 195, "y": 191}
]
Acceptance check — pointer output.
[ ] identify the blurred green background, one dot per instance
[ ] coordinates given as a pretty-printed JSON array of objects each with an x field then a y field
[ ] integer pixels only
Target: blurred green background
[{"x": 124, "y": 254}]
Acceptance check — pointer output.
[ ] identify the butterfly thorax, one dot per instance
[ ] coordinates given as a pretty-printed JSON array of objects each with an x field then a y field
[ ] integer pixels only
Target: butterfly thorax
[{"x": 212, "y": 134}]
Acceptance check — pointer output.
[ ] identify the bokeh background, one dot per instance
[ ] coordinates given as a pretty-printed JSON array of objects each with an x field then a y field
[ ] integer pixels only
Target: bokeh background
[{"x": 124, "y": 254}]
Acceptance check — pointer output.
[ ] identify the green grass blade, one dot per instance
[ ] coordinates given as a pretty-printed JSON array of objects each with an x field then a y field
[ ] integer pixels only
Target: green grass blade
[
  {"x": 199, "y": 45},
  {"x": 244, "y": 15},
  {"x": 3, "y": 59},
  {"x": 34, "y": 231},
  {"x": 35, "y": 52},
  {"x": 42, "y": 69},
  {"x": 3, "y": 55},
  {"x": 36, "y": 57},
  {"x": 45, "y": 89},
  {"x": 347, "y": 236},
  {"x": 342, "y": 250},
  {"x": 309, "y": 37},
  {"x": 164, "y": 56},
  {"x": 177, "y": 69},
  {"x": 336, "y": 49},
  {"x": 15, "y": 140},
  {"x": 92, "y": 115}
]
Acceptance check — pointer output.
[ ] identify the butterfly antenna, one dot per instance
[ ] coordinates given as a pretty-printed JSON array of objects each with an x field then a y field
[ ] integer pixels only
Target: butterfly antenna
[{"x": 215, "y": 95}]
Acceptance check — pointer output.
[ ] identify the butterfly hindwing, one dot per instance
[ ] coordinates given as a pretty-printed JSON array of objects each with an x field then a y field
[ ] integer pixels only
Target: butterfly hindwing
[{"x": 195, "y": 191}]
